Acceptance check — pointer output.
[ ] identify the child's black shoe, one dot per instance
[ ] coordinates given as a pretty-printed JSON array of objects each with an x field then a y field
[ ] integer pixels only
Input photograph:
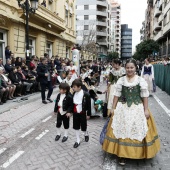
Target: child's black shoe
[
  {"x": 87, "y": 138},
  {"x": 64, "y": 139},
  {"x": 76, "y": 145},
  {"x": 57, "y": 137}
]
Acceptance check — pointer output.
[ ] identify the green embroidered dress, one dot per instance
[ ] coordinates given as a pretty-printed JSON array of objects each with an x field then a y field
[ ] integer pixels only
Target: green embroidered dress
[{"x": 129, "y": 133}]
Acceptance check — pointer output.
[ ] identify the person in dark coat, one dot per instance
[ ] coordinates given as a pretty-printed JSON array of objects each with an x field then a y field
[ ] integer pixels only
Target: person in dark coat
[
  {"x": 15, "y": 80},
  {"x": 7, "y": 53},
  {"x": 44, "y": 76},
  {"x": 8, "y": 66},
  {"x": 64, "y": 109}
]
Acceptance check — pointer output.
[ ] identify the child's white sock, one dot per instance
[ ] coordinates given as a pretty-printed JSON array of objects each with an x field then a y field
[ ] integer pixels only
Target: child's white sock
[
  {"x": 58, "y": 131},
  {"x": 86, "y": 133},
  {"x": 78, "y": 136},
  {"x": 66, "y": 132}
]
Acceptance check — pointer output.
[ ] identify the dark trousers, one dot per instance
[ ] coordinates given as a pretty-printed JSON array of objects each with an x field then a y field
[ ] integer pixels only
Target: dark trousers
[
  {"x": 19, "y": 88},
  {"x": 79, "y": 121},
  {"x": 43, "y": 88},
  {"x": 62, "y": 119}
]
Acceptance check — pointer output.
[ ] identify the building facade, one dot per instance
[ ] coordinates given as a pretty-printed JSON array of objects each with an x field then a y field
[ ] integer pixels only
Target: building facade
[
  {"x": 51, "y": 28},
  {"x": 126, "y": 42},
  {"x": 158, "y": 25},
  {"x": 161, "y": 26},
  {"x": 149, "y": 20},
  {"x": 115, "y": 27},
  {"x": 93, "y": 25}
]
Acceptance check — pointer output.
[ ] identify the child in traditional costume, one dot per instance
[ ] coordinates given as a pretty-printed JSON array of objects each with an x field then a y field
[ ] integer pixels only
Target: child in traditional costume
[
  {"x": 131, "y": 132},
  {"x": 81, "y": 111},
  {"x": 64, "y": 109}
]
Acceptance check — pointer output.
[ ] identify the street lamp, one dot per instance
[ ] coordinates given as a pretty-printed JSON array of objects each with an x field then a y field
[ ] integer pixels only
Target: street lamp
[{"x": 28, "y": 8}]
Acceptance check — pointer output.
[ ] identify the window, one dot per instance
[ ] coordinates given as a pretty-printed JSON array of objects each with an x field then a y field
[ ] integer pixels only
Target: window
[
  {"x": 86, "y": 7},
  {"x": 86, "y": 17},
  {"x": 86, "y": 27},
  {"x": 66, "y": 16},
  {"x": 3, "y": 44},
  {"x": 49, "y": 46},
  {"x": 66, "y": 13},
  {"x": 31, "y": 47},
  {"x": 67, "y": 52}
]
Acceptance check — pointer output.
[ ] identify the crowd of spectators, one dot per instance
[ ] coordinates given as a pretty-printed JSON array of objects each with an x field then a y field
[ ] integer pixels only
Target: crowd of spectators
[{"x": 17, "y": 79}]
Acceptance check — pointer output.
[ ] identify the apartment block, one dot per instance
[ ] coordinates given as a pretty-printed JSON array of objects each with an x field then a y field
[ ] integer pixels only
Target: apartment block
[
  {"x": 126, "y": 42},
  {"x": 158, "y": 24},
  {"x": 51, "y": 28},
  {"x": 115, "y": 26},
  {"x": 93, "y": 25}
]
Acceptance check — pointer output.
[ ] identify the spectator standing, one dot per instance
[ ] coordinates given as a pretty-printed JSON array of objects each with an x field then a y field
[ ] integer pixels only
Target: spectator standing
[
  {"x": 44, "y": 74},
  {"x": 7, "y": 53}
]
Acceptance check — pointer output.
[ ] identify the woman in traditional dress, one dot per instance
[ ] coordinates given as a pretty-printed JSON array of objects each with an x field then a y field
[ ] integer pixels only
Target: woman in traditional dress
[
  {"x": 131, "y": 132},
  {"x": 114, "y": 75},
  {"x": 148, "y": 74}
]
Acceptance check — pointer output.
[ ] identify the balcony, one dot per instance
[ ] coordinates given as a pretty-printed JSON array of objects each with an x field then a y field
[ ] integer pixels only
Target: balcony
[
  {"x": 160, "y": 19},
  {"x": 101, "y": 33},
  {"x": 166, "y": 28},
  {"x": 157, "y": 27},
  {"x": 45, "y": 16},
  {"x": 101, "y": 13},
  {"x": 158, "y": 35},
  {"x": 102, "y": 3},
  {"x": 101, "y": 23},
  {"x": 166, "y": 7},
  {"x": 160, "y": 4},
  {"x": 102, "y": 42},
  {"x": 157, "y": 12}
]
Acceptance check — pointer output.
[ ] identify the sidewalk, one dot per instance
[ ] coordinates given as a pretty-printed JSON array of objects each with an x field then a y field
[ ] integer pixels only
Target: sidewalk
[{"x": 14, "y": 104}]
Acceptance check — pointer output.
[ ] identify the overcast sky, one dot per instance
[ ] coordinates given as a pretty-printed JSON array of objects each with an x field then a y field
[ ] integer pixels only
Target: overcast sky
[{"x": 133, "y": 14}]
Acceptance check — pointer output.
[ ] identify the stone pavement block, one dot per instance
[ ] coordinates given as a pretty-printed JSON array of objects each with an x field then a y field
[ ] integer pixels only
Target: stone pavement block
[
  {"x": 45, "y": 166},
  {"x": 60, "y": 159},
  {"x": 35, "y": 167}
]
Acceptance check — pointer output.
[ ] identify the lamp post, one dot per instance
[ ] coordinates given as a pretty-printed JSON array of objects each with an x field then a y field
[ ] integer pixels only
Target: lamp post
[{"x": 27, "y": 8}]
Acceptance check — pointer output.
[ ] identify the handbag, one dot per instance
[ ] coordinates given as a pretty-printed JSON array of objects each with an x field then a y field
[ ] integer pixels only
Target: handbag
[
  {"x": 154, "y": 85},
  {"x": 103, "y": 132}
]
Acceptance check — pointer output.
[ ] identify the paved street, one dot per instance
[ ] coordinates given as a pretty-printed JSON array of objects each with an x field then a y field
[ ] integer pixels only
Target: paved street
[{"x": 28, "y": 130}]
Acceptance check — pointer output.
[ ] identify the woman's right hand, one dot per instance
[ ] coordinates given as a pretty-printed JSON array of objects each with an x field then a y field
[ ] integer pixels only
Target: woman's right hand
[{"x": 147, "y": 115}]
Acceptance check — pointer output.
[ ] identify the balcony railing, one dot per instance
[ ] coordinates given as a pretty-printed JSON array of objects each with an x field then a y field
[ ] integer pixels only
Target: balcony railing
[
  {"x": 100, "y": 33},
  {"x": 157, "y": 27},
  {"x": 102, "y": 3},
  {"x": 157, "y": 12},
  {"x": 101, "y": 23},
  {"x": 101, "y": 13},
  {"x": 160, "y": 19},
  {"x": 160, "y": 4},
  {"x": 158, "y": 36}
]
